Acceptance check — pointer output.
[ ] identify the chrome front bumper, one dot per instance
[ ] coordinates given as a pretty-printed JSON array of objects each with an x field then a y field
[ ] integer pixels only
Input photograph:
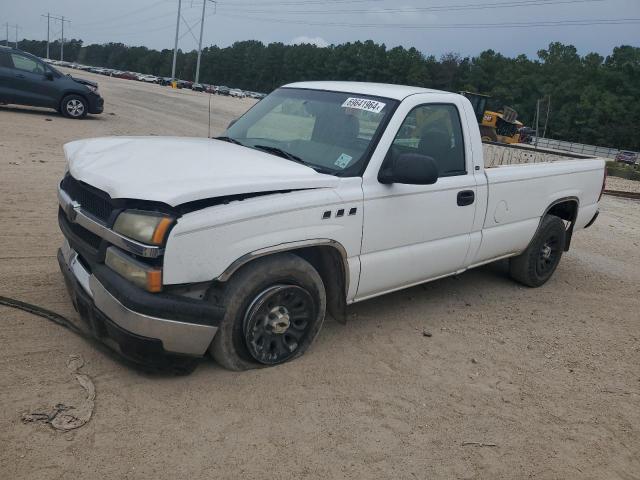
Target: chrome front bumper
[{"x": 176, "y": 336}]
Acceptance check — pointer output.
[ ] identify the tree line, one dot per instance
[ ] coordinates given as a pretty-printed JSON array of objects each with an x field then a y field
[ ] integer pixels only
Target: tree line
[{"x": 593, "y": 99}]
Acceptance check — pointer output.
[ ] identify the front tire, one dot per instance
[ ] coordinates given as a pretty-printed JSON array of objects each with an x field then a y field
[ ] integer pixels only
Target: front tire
[
  {"x": 536, "y": 264},
  {"x": 274, "y": 309},
  {"x": 74, "y": 106}
]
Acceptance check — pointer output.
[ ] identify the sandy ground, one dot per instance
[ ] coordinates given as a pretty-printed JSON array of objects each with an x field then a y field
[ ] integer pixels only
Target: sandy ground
[
  {"x": 549, "y": 376},
  {"x": 622, "y": 184}
]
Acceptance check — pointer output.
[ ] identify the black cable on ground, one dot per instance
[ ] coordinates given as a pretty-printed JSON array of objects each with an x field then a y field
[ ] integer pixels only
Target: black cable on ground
[
  {"x": 184, "y": 367},
  {"x": 42, "y": 312}
]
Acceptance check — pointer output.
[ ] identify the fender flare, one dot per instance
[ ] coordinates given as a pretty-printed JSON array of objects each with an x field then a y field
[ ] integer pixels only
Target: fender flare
[
  {"x": 285, "y": 247},
  {"x": 572, "y": 221}
]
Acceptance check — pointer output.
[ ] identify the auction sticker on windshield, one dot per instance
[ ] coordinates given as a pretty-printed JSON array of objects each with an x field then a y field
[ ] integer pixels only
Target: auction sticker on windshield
[
  {"x": 364, "y": 104},
  {"x": 343, "y": 161}
]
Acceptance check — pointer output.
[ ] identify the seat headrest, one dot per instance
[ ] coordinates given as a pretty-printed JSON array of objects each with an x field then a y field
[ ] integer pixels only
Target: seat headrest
[{"x": 435, "y": 143}]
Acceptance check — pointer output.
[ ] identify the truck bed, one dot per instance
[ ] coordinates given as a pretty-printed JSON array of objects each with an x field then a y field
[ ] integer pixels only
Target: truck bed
[{"x": 497, "y": 154}]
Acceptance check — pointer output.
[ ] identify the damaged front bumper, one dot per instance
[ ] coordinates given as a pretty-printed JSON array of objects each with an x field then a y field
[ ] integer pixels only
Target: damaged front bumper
[{"x": 142, "y": 326}]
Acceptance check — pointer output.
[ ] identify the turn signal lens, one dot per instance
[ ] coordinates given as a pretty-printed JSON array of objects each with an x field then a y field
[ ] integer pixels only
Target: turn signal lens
[
  {"x": 147, "y": 227},
  {"x": 160, "y": 232},
  {"x": 138, "y": 273}
]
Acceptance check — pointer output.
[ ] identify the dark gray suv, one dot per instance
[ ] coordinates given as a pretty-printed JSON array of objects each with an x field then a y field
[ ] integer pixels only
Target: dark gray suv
[{"x": 27, "y": 80}]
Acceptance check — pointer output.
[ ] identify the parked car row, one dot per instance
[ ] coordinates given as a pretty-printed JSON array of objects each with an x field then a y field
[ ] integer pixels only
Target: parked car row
[{"x": 142, "y": 77}]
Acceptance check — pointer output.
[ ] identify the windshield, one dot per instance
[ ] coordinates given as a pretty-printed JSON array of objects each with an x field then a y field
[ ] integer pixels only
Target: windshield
[{"x": 330, "y": 131}]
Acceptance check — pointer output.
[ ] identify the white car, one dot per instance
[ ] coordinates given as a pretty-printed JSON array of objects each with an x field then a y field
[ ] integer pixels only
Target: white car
[
  {"x": 148, "y": 78},
  {"x": 315, "y": 199},
  {"x": 236, "y": 92}
]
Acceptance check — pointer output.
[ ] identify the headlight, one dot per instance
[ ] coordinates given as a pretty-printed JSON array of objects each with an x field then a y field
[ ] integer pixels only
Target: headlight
[
  {"x": 92, "y": 88},
  {"x": 138, "y": 273},
  {"x": 146, "y": 227}
]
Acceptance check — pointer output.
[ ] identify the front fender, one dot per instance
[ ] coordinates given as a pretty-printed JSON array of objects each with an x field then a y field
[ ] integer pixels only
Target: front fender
[{"x": 211, "y": 243}]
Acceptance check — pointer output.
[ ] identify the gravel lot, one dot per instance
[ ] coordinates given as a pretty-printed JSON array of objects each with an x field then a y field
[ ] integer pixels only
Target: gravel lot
[
  {"x": 622, "y": 184},
  {"x": 545, "y": 381}
]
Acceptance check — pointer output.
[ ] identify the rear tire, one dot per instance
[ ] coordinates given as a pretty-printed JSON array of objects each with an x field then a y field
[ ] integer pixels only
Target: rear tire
[
  {"x": 74, "y": 106},
  {"x": 535, "y": 266},
  {"x": 274, "y": 309}
]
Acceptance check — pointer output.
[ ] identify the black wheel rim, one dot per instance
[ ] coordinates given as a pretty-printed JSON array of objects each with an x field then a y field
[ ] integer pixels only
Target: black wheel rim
[
  {"x": 277, "y": 322},
  {"x": 548, "y": 256}
]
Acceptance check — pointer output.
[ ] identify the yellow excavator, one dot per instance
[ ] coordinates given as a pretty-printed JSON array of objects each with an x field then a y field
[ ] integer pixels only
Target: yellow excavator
[{"x": 501, "y": 126}]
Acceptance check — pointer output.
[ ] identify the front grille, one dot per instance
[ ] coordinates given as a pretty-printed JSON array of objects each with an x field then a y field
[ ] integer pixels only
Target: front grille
[
  {"x": 85, "y": 235},
  {"x": 92, "y": 200},
  {"x": 81, "y": 240}
]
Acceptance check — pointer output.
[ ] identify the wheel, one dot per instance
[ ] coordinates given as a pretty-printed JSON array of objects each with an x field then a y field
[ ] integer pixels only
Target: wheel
[
  {"x": 74, "y": 106},
  {"x": 538, "y": 262},
  {"x": 274, "y": 308}
]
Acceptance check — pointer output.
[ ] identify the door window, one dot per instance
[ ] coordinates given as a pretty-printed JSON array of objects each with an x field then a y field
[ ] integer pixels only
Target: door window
[
  {"x": 433, "y": 130},
  {"x": 27, "y": 64},
  {"x": 5, "y": 60}
]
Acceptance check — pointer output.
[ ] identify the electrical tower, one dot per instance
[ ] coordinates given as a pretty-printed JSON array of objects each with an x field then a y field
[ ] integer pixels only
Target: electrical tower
[
  {"x": 204, "y": 4},
  {"x": 48, "y": 21}
]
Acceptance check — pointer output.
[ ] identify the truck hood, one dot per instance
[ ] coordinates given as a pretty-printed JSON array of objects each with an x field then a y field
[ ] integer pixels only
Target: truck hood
[{"x": 177, "y": 170}]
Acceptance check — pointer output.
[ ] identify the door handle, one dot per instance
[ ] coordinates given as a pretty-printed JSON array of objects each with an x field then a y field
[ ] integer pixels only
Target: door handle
[
  {"x": 19, "y": 75},
  {"x": 466, "y": 197}
]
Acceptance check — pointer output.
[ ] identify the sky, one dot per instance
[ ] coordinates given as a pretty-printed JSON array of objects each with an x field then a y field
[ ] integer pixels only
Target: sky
[{"x": 434, "y": 27}]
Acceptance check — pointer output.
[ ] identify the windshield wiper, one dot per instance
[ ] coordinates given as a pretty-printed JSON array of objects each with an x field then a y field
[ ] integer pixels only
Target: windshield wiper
[
  {"x": 229, "y": 139},
  {"x": 293, "y": 158},
  {"x": 281, "y": 153}
]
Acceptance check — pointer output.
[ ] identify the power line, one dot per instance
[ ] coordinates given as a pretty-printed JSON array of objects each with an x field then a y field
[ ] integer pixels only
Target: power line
[
  {"x": 435, "y": 8},
  {"x": 586, "y": 22},
  {"x": 128, "y": 24},
  {"x": 124, "y": 15},
  {"x": 301, "y": 2}
]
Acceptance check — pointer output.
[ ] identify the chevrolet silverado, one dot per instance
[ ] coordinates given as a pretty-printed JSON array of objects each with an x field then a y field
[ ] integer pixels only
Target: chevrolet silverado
[{"x": 321, "y": 195}]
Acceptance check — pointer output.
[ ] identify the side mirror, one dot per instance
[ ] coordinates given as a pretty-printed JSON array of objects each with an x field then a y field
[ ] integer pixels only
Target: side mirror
[
  {"x": 48, "y": 75},
  {"x": 411, "y": 169}
]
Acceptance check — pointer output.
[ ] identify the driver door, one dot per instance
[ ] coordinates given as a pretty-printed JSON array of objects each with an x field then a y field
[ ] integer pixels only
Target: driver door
[
  {"x": 414, "y": 233},
  {"x": 28, "y": 83}
]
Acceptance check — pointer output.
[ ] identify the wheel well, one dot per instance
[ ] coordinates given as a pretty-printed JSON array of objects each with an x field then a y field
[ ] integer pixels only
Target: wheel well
[
  {"x": 567, "y": 210},
  {"x": 66, "y": 94},
  {"x": 330, "y": 264}
]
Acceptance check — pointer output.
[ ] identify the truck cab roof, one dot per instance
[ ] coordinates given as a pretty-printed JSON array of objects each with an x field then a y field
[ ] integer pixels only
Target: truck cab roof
[{"x": 387, "y": 90}]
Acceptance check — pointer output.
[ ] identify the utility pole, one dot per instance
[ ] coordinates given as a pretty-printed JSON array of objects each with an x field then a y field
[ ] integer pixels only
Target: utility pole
[
  {"x": 48, "y": 21},
  {"x": 537, "y": 121},
  {"x": 62, "y": 40},
  {"x": 7, "y": 42},
  {"x": 204, "y": 4},
  {"x": 62, "y": 19},
  {"x": 16, "y": 26},
  {"x": 175, "y": 45},
  {"x": 546, "y": 120}
]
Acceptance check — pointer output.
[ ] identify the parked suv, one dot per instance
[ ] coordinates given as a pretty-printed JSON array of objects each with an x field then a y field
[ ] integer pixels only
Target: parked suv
[{"x": 27, "y": 80}]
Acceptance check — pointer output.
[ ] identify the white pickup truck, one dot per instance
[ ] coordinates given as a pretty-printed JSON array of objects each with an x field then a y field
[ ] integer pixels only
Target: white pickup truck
[{"x": 321, "y": 195}]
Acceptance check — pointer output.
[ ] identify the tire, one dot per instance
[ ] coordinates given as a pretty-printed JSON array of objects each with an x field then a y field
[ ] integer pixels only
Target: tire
[
  {"x": 74, "y": 106},
  {"x": 274, "y": 309},
  {"x": 538, "y": 262}
]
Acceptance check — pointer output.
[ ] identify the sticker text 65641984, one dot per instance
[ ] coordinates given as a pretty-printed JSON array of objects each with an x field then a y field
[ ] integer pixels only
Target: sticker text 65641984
[{"x": 364, "y": 104}]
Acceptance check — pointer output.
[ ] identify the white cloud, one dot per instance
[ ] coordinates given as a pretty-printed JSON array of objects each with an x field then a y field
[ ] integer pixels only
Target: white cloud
[{"x": 317, "y": 41}]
